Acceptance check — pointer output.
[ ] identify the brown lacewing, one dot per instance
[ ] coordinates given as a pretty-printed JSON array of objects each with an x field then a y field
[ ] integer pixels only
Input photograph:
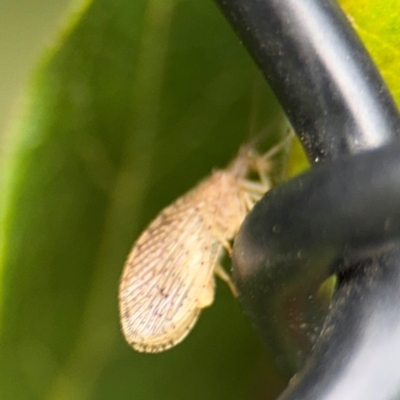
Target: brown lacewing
[{"x": 168, "y": 277}]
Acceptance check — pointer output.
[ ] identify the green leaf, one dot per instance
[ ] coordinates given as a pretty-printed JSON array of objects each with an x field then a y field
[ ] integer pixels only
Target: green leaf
[
  {"x": 135, "y": 103},
  {"x": 377, "y": 23}
]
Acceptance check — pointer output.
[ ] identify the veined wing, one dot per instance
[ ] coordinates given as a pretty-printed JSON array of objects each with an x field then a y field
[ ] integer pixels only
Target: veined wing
[{"x": 168, "y": 278}]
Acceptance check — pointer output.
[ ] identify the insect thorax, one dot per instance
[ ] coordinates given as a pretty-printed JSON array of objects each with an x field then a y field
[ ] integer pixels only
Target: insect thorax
[{"x": 219, "y": 201}]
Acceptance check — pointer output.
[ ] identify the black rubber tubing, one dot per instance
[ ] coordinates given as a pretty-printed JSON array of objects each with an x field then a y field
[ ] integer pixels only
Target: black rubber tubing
[
  {"x": 340, "y": 216},
  {"x": 309, "y": 229},
  {"x": 320, "y": 72}
]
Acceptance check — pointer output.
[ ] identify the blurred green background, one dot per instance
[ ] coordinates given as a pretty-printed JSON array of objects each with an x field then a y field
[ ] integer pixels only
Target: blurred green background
[
  {"x": 26, "y": 27},
  {"x": 130, "y": 104}
]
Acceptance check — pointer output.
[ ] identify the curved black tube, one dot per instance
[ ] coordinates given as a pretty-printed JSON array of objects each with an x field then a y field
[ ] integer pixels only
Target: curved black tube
[
  {"x": 290, "y": 242},
  {"x": 340, "y": 216},
  {"x": 320, "y": 72},
  {"x": 357, "y": 355}
]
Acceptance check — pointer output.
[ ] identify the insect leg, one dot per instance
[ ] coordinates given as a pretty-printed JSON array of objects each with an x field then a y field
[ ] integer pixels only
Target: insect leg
[
  {"x": 222, "y": 274},
  {"x": 262, "y": 164},
  {"x": 206, "y": 297},
  {"x": 249, "y": 200},
  {"x": 279, "y": 146},
  {"x": 255, "y": 187},
  {"x": 223, "y": 242}
]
